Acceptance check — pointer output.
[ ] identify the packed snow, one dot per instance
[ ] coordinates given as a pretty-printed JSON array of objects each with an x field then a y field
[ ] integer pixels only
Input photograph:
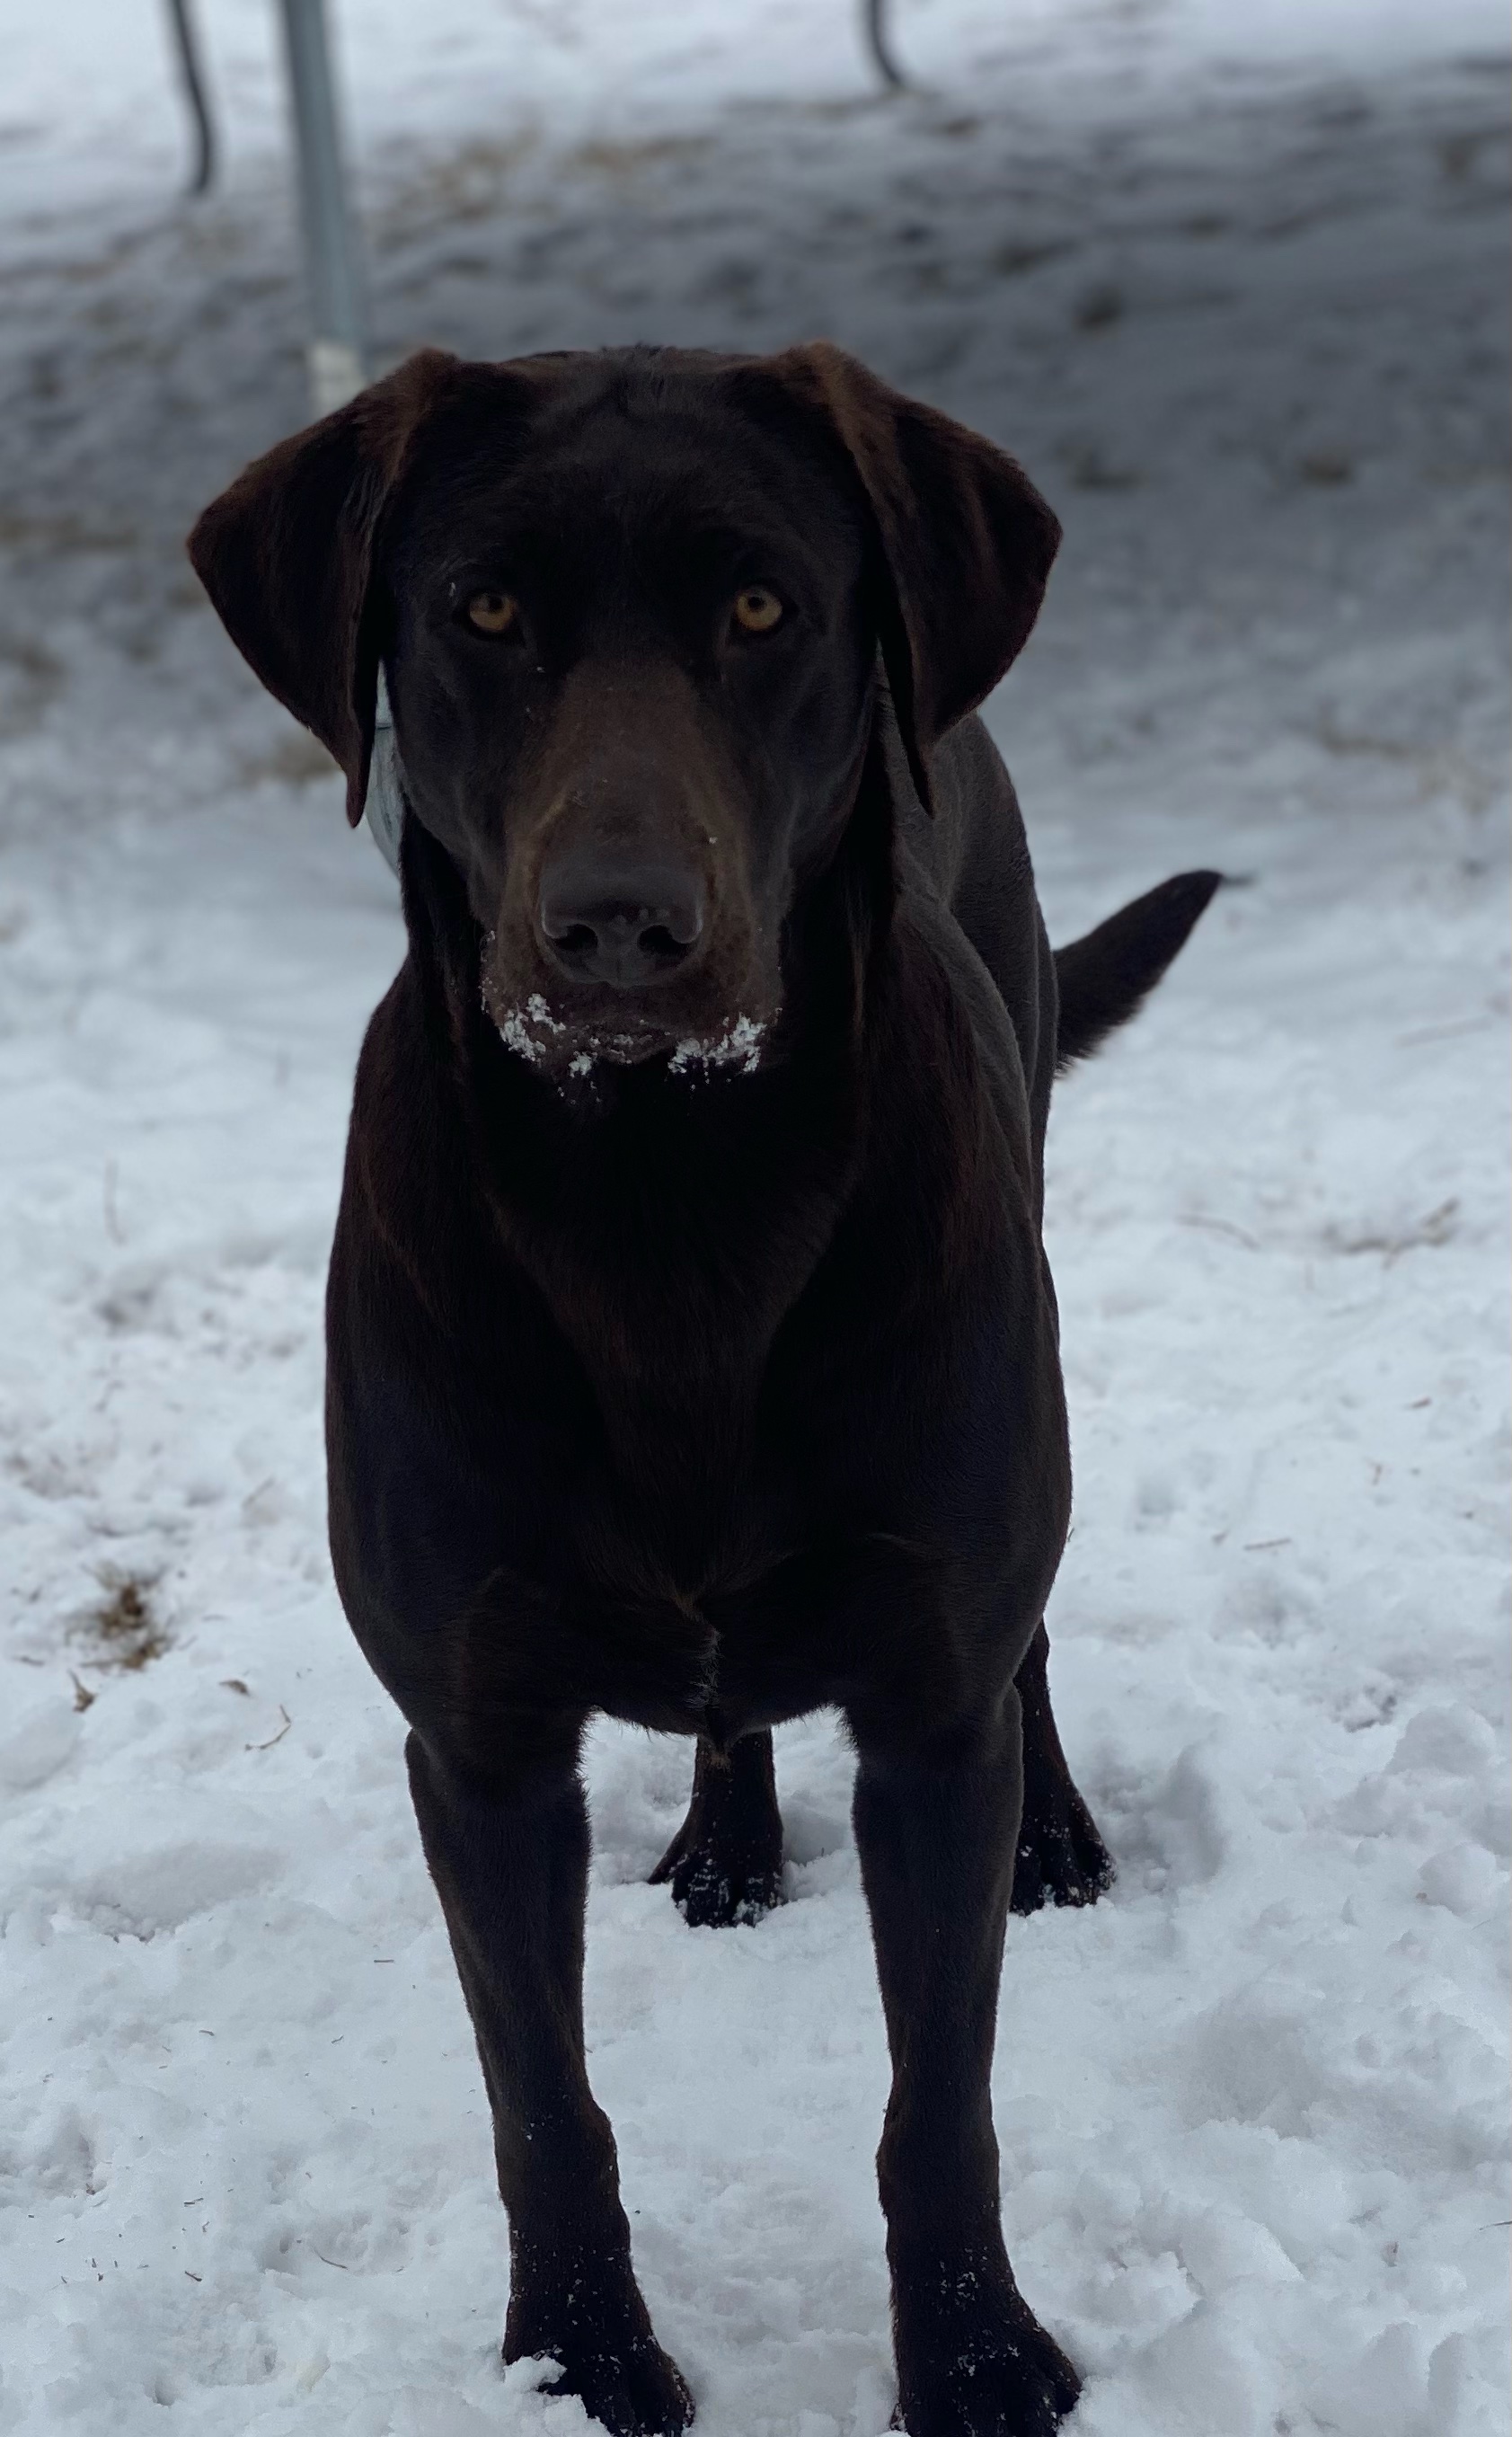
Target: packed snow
[{"x": 1231, "y": 282}]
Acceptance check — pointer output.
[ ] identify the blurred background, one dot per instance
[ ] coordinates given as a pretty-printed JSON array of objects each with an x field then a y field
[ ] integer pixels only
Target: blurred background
[{"x": 1228, "y": 279}]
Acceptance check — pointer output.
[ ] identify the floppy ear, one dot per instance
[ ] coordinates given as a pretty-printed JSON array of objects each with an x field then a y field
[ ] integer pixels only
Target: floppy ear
[
  {"x": 964, "y": 541},
  {"x": 287, "y": 557}
]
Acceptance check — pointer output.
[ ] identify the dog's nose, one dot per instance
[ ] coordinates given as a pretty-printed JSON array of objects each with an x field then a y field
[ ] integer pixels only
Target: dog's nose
[{"x": 628, "y": 925}]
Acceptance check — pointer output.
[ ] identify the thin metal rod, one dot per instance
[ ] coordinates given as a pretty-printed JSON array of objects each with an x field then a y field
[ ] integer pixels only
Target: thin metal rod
[
  {"x": 337, "y": 346},
  {"x": 191, "y": 75},
  {"x": 874, "y": 21}
]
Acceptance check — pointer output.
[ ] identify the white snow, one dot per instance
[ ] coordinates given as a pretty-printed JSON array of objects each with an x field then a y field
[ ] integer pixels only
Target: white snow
[
  {"x": 1230, "y": 281},
  {"x": 518, "y": 1026},
  {"x": 738, "y": 1044}
]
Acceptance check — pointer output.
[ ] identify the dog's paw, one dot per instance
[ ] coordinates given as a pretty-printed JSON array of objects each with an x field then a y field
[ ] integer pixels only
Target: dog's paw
[
  {"x": 714, "y": 1888},
  {"x": 1061, "y": 1858},
  {"x": 642, "y": 2396},
  {"x": 974, "y": 2362},
  {"x": 581, "y": 2309},
  {"x": 625, "y": 2383}
]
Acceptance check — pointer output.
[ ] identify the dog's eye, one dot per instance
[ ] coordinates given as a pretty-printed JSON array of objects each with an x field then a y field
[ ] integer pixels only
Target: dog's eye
[
  {"x": 493, "y": 613},
  {"x": 756, "y": 609}
]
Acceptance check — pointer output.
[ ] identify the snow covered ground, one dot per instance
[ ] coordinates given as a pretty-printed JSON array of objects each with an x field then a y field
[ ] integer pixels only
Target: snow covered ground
[{"x": 1231, "y": 281}]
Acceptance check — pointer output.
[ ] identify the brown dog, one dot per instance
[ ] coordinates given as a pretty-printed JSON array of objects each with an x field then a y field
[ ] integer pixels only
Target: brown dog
[{"x": 692, "y": 1351}]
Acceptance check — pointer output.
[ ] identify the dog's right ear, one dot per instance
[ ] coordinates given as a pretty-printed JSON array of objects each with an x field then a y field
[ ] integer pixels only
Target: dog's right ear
[
  {"x": 963, "y": 541},
  {"x": 287, "y": 557}
]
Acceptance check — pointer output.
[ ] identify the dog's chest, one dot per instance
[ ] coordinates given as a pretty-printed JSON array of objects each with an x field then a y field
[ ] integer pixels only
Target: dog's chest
[{"x": 766, "y": 1598}]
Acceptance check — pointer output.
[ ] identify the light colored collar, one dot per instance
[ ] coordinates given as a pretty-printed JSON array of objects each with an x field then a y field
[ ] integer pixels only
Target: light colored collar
[{"x": 384, "y": 810}]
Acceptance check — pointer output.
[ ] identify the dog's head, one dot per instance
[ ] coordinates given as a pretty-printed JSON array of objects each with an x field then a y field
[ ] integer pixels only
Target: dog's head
[{"x": 630, "y": 607}]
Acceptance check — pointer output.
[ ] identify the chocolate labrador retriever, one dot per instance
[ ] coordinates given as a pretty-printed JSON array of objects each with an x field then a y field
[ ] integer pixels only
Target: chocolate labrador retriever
[{"x": 692, "y": 1351}]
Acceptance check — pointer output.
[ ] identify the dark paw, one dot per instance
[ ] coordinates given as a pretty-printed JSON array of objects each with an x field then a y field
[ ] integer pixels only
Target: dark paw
[
  {"x": 714, "y": 1888},
  {"x": 623, "y": 2378},
  {"x": 1061, "y": 1858},
  {"x": 974, "y": 2362},
  {"x": 640, "y": 2396}
]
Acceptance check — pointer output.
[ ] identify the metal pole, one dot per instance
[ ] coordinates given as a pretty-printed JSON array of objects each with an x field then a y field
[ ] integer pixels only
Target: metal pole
[
  {"x": 337, "y": 345},
  {"x": 874, "y": 26},
  {"x": 192, "y": 76}
]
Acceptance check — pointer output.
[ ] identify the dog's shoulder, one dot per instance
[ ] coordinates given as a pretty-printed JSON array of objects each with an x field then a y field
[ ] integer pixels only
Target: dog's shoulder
[
  {"x": 965, "y": 877},
  {"x": 968, "y": 915},
  {"x": 974, "y": 836}
]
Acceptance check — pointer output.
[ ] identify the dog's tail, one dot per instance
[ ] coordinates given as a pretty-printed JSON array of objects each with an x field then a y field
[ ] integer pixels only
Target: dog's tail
[{"x": 1106, "y": 976}]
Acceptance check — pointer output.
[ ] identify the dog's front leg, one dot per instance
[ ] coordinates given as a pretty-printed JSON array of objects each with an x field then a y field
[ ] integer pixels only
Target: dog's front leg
[
  {"x": 508, "y": 1853},
  {"x": 936, "y": 1831}
]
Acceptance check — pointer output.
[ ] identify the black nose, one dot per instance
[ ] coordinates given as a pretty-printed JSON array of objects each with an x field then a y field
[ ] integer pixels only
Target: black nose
[{"x": 627, "y": 923}]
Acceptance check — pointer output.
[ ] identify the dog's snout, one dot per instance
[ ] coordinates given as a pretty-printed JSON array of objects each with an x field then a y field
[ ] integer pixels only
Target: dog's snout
[{"x": 628, "y": 924}]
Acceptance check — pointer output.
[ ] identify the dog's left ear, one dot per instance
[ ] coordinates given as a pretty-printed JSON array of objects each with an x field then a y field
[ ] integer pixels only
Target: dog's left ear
[
  {"x": 287, "y": 557},
  {"x": 964, "y": 539}
]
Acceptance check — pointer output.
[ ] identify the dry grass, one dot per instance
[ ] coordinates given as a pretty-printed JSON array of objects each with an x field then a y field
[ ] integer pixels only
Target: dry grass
[{"x": 123, "y": 1633}]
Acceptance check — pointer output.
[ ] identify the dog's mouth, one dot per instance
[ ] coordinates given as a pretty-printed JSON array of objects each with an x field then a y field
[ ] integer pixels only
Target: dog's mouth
[{"x": 565, "y": 1045}]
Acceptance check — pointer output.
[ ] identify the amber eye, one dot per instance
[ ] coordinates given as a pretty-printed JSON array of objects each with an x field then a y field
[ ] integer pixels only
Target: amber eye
[
  {"x": 493, "y": 613},
  {"x": 756, "y": 609}
]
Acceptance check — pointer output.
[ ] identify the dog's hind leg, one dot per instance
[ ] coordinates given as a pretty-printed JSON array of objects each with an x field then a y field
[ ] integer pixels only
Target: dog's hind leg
[
  {"x": 725, "y": 1861},
  {"x": 934, "y": 1829},
  {"x": 1060, "y": 1859},
  {"x": 508, "y": 1853}
]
